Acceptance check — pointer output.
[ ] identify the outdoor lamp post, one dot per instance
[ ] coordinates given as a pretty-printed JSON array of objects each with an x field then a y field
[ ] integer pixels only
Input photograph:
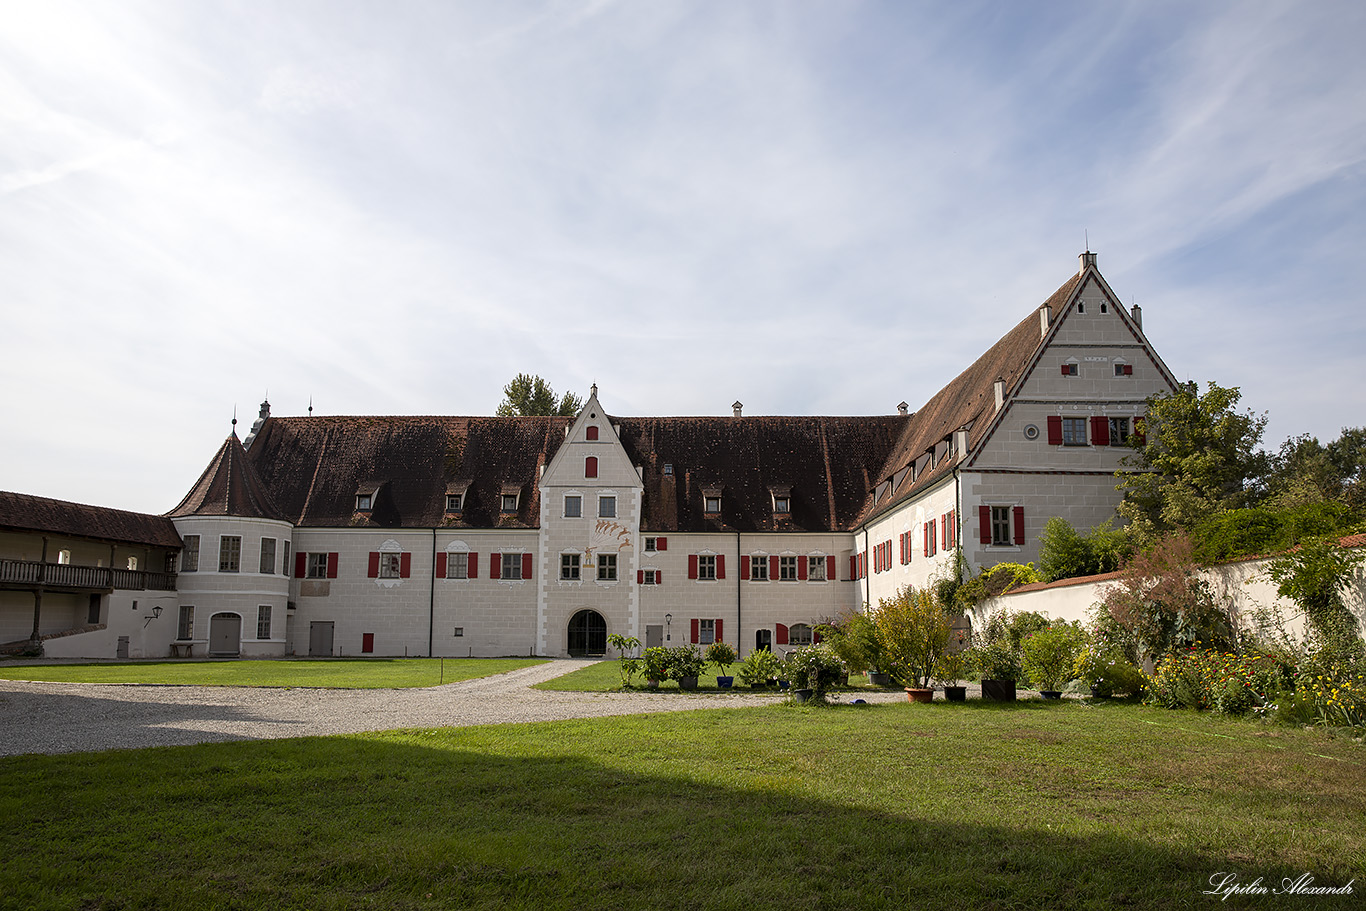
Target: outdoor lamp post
[{"x": 668, "y": 621}]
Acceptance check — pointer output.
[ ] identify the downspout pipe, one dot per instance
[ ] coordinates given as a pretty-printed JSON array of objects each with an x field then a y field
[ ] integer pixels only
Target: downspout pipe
[
  {"x": 431, "y": 604},
  {"x": 739, "y": 594},
  {"x": 867, "y": 581}
]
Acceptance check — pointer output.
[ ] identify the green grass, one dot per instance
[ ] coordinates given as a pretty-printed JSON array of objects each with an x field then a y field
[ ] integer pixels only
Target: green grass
[
  {"x": 342, "y": 673},
  {"x": 895, "y": 806},
  {"x": 605, "y": 677}
]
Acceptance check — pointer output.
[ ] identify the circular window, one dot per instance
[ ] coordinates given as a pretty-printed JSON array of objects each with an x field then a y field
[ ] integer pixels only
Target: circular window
[{"x": 1031, "y": 432}]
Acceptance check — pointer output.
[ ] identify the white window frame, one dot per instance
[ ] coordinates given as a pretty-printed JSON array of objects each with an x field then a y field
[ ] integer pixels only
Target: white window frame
[
  {"x": 229, "y": 553},
  {"x": 706, "y": 567},
  {"x": 268, "y": 556},
  {"x": 706, "y": 632},
  {"x": 1002, "y": 526},
  {"x": 576, "y": 511},
  {"x": 263, "y": 621},
  {"x": 512, "y": 567},
  {"x": 758, "y": 568},
  {"x": 607, "y": 506},
  {"x": 815, "y": 566},
  {"x": 390, "y": 565},
  {"x": 607, "y": 567},
  {"x": 799, "y": 634},
  {"x": 317, "y": 565},
  {"x": 787, "y": 569},
  {"x": 571, "y": 567},
  {"x": 457, "y": 564}
]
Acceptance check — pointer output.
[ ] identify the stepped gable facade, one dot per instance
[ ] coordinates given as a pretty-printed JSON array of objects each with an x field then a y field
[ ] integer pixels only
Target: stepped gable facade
[{"x": 458, "y": 536}]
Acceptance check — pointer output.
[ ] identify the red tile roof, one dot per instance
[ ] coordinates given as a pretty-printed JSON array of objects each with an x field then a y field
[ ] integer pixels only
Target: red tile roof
[
  {"x": 228, "y": 487},
  {"x": 22, "y": 512}
]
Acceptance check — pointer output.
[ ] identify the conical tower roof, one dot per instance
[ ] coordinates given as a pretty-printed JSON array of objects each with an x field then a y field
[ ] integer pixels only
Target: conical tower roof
[{"x": 230, "y": 486}]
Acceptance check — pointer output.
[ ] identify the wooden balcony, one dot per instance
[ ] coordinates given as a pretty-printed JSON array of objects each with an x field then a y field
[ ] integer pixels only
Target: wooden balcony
[{"x": 27, "y": 575}]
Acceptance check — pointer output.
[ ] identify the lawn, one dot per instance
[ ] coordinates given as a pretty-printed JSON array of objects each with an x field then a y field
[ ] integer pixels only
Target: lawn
[
  {"x": 894, "y": 806},
  {"x": 605, "y": 677},
  {"x": 341, "y": 673}
]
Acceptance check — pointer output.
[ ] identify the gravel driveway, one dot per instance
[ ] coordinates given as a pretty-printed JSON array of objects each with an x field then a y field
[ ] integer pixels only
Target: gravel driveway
[{"x": 74, "y": 717}]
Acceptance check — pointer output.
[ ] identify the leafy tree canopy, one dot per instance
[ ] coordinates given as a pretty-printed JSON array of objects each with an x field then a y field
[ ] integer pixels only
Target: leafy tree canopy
[
  {"x": 1305, "y": 471},
  {"x": 1200, "y": 455},
  {"x": 530, "y": 395}
]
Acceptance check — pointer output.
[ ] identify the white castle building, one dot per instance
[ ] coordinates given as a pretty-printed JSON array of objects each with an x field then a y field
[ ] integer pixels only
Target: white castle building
[{"x": 483, "y": 536}]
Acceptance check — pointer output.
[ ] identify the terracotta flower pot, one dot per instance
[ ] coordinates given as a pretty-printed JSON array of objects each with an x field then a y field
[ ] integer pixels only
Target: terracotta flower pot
[{"x": 918, "y": 694}]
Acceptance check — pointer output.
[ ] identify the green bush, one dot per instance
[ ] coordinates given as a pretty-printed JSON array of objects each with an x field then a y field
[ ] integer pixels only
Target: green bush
[
  {"x": 684, "y": 661},
  {"x": 1064, "y": 553},
  {"x": 654, "y": 663},
  {"x": 853, "y": 638},
  {"x": 913, "y": 630},
  {"x": 721, "y": 654},
  {"x": 1264, "y": 530},
  {"x": 759, "y": 666},
  {"x": 814, "y": 667},
  {"x": 1049, "y": 655}
]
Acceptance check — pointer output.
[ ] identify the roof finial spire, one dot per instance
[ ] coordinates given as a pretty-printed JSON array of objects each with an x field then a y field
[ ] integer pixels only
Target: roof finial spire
[
  {"x": 310, "y": 406},
  {"x": 234, "y": 420}
]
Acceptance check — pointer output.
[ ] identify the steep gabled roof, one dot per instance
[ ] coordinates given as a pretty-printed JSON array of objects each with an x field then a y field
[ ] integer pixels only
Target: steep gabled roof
[
  {"x": 228, "y": 487},
  {"x": 827, "y": 462},
  {"x": 969, "y": 400},
  {"x": 22, "y": 512},
  {"x": 313, "y": 468}
]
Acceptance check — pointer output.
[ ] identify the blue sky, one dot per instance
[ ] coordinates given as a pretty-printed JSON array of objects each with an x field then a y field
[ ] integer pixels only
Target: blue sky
[{"x": 812, "y": 207}]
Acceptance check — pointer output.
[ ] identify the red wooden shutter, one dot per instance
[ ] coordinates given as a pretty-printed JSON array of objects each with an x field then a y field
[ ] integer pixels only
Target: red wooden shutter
[
  {"x": 815, "y": 637},
  {"x": 744, "y": 567},
  {"x": 590, "y": 467},
  {"x": 853, "y": 566},
  {"x": 1065, "y": 371},
  {"x": 592, "y": 432},
  {"x": 441, "y": 565},
  {"x": 300, "y": 564},
  {"x": 661, "y": 543},
  {"x": 1128, "y": 369},
  {"x": 332, "y": 566},
  {"x": 926, "y": 530},
  {"x": 1019, "y": 524},
  {"x": 526, "y": 566},
  {"x": 1055, "y": 430},
  {"x": 1100, "y": 431},
  {"x": 640, "y": 577},
  {"x": 718, "y": 630},
  {"x": 830, "y": 573},
  {"x": 472, "y": 565},
  {"x": 373, "y": 569},
  {"x": 720, "y": 566},
  {"x": 495, "y": 566},
  {"x": 773, "y": 569},
  {"x": 659, "y": 577},
  {"x": 984, "y": 524},
  {"x": 692, "y": 566},
  {"x": 781, "y": 634},
  {"x": 953, "y": 524},
  {"x": 694, "y": 630},
  {"x": 405, "y": 565},
  {"x": 801, "y": 568}
]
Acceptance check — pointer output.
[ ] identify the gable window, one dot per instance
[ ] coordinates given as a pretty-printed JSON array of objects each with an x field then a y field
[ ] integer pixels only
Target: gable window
[
  {"x": 799, "y": 634},
  {"x": 453, "y": 502},
  {"x": 363, "y": 501},
  {"x": 787, "y": 569},
  {"x": 458, "y": 566},
  {"x": 782, "y": 505},
  {"x": 758, "y": 568},
  {"x": 650, "y": 545},
  {"x": 268, "y": 557},
  {"x": 570, "y": 566},
  {"x": 573, "y": 506},
  {"x": 263, "y": 622},
  {"x": 1081, "y": 306},
  {"x": 64, "y": 556},
  {"x": 607, "y": 567},
  {"x": 815, "y": 568},
  {"x": 185, "y": 628},
  {"x": 229, "y": 553},
  {"x": 668, "y": 468},
  {"x": 512, "y": 566},
  {"x": 1074, "y": 431},
  {"x": 1069, "y": 369},
  {"x": 133, "y": 563},
  {"x": 1124, "y": 369},
  {"x": 591, "y": 432},
  {"x": 607, "y": 507},
  {"x": 317, "y": 566},
  {"x": 1119, "y": 431},
  {"x": 590, "y": 467},
  {"x": 706, "y": 566},
  {"x": 509, "y": 502}
]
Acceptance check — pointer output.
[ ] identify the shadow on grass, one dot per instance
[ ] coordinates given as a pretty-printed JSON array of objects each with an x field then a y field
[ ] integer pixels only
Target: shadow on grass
[{"x": 391, "y": 822}]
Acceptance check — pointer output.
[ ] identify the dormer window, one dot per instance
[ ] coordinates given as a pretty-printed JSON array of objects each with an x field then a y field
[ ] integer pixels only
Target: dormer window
[
  {"x": 453, "y": 501},
  {"x": 364, "y": 502},
  {"x": 456, "y": 491},
  {"x": 782, "y": 500},
  {"x": 669, "y": 468},
  {"x": 712, "y": 504},
  {"x": 509, "y": 502}
]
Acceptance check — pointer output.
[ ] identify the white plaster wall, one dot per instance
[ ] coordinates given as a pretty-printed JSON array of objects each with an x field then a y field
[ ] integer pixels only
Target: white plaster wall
[
  {"x": 125, "y": 613},
  {"x": 242, "y": 593},
  {"x": 911, "y": 517}
]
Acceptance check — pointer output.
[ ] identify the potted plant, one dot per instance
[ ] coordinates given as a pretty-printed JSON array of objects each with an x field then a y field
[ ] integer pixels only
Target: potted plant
[
  {"x": 759, "y": 666},
  {"x": 913, "y": 630},
  {"x": 1000, "y": 668},
  {"x": 812, "y": 670},
  {"x": 853, "y": 639},
  {"x": 949, "y": 672},
  {"x": 629, "y": 663},
  {"x": 654, "y": 664},
  {"x": 721, "y": 654},
  {"x": 685, "y": 664},
  {"x": 1050, "y": 656}
]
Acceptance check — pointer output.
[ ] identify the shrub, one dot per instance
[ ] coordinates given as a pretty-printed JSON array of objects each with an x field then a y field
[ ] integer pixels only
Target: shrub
[
  {"x": 998, "y": 660},
  {"x": 1215, "y": 679},
  {"x": 913, "y": 630},
  {"x": 1064, "y": 553},
  {"x": 654, "y": 663},
  {"x": 993, "y": 582},
  {"x": 853, "y": 638},
  {"x": 721, "y": 654},
  {"x": 629, "y": 663},
  {"x": 1107, "y": 671},
  {"x": 1049, "y": 655},
  {"x": 1263, "y": 530},
  {"x": 1313, "y": 576},
  {"x": 684, "y": 661},
  {"x": 1334, "y": 696},
  {"x": 814, "y": 667},
  {"x": 759, "y": 666}
]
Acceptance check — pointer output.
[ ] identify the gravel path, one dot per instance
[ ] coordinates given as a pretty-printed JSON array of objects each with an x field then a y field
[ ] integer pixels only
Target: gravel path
[{"x": 75, "y": 717}]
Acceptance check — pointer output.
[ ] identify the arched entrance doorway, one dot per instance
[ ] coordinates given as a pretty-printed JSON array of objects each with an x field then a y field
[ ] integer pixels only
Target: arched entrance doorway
[
  {"x": 587, "y": 634},
  {"x": 225, "y": 635}
]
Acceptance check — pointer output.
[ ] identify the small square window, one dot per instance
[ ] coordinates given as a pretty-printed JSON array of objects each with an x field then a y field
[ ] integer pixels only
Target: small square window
[
  {"x": 649, "y": 577},
  {"x": 363, "y": 501},
  {"x": 317, "y": 566},
  {"x": 573, "y": 506},
  {"x": 782, "y": 505},
  {"x": 799, "y": 634},
  {"x": 706, "y": 567},
  {"x": 1081, "y": 306},
  {"x": 1074, "y": 431},
  {"x": 758, "y": 568},
  {"x": 512, "y": 566},
  {"x": 607, "y": 567},
  {"x": 1069, "y": 369},
  {"x": 668, "y": 468},
  {"x": 650, "y": 545},
  {"x": 509, "y": 502},
  {"x": 453, "y": 502},
  {"x": 787, "y": 569},
  {"x": 389, "y": 566},
  {"x": 459, "y": 632},
  {"x": 607, "y": 507},
  {"x": 712, "y": 505},
  {"x": 570, "y": 567},
  {"x": 458, "y": 566},
  {"x": 1104, "y": 308},
  {"x": 815, "y": 568}
]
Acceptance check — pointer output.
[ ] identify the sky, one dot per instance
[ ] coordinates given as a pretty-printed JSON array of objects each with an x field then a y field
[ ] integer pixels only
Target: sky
[{"x": 809, "y": 206}]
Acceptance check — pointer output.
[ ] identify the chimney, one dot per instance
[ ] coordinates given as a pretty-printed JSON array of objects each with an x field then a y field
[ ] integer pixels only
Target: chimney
[
  {"x": 960, "y": 442},
  {"x": 999, "y": 387},
  {"x": 1137, "y": 311},
  {"x": 736, "y": 407},
  {"x": 903, "y": 409},
  {"x": 1045, "y": 319},
  {"x": 1087, "y": 259}
]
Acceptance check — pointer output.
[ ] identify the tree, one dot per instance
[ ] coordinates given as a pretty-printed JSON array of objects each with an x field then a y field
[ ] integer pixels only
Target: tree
[
  {"x": 1065, "y": 553},
  {"x": 1199, "y": 456},
  {"x": 1314, "y": 576},
  {"x": 531, "y": 395},
  {"x": 1305, "y": 471},
  {"x": 913, "y": 631}
]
